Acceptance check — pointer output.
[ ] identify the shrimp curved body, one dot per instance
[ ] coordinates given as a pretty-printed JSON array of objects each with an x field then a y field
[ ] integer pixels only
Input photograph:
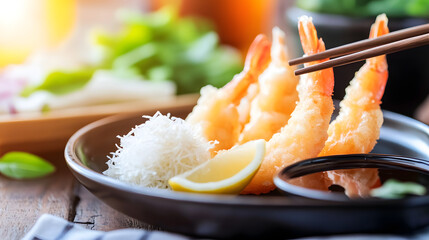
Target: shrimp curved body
[
  {"x": 357, "y": 127},
  {"x": 277, "y": 96},
  {"x": 305, "y": 134},
  {"x": 218, "y": 111}
]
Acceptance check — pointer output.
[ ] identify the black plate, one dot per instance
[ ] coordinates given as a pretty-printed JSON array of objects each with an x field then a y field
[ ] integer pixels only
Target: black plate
[{"x": 220, "y": 216}]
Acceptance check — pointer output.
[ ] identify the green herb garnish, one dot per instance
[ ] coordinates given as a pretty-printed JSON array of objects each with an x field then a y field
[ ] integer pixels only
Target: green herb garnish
[
  {"x": 394, "y": 189},
  {"x": 368, "y": 8},
  {"x": 21, "y": 165}
]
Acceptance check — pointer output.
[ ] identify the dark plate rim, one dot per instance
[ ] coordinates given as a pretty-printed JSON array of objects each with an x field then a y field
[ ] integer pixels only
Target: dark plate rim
[{"x": 77, "y": 167}]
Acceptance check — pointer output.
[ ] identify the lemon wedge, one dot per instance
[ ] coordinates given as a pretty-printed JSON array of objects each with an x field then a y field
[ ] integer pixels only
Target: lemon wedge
[{"x": 228, "y": 172}]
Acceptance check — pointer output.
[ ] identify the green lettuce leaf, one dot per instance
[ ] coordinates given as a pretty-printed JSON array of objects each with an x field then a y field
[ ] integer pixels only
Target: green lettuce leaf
[
  {"x": 62, "y": 82},
  {"x": 156, "y": 46}
]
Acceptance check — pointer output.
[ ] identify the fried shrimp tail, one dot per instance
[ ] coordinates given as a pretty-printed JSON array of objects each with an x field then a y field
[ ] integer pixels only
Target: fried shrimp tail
[
  {"x": 257, "y": 60},
  {"x": 305, "y": 134},
  {"x": 218, "y": 112},
  {"x": 276, "y": 94},
  {"x": 357, "y": 127}
]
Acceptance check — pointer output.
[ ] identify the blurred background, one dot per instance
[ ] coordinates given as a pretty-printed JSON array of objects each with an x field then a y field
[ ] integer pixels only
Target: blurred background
[{"x": 57, "y": 54}]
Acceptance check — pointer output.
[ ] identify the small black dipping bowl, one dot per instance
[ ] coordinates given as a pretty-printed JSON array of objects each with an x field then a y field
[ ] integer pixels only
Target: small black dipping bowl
[{"x": 405, "y": 168}]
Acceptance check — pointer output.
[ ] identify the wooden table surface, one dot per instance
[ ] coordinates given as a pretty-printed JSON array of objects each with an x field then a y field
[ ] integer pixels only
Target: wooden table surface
[{"x": 22, "y": 202}]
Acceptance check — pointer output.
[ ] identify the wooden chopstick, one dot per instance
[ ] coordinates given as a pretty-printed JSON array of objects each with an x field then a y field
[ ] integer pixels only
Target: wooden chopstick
[
  {"x": 364, "y": 44},
  {"x": 377, "y": 51}
]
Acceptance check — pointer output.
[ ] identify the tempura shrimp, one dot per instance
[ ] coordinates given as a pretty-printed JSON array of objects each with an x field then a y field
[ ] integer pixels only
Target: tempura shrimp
[
  {"x": 276, "y": 95},
  {"x": 217, "y": 110},
  {"x": 357, "y": 127},
  {"x": 305, "y": 134}
]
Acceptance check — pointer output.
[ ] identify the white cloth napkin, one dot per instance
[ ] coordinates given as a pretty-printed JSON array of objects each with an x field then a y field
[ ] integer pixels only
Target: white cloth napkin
[{"x": 49, "y": 227}]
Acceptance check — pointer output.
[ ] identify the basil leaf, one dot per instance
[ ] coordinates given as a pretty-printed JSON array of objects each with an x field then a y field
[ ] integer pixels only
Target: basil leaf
[
  {"x": 393, "y": 189},
  {"x": 21, "y": 165}
]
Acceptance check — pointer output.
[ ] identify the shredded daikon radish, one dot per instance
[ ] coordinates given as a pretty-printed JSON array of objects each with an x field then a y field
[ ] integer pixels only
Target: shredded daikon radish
[{"x": 157, "y": 150}]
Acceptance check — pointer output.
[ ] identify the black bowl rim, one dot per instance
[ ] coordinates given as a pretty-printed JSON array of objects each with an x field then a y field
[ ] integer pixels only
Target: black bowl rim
[
  {"x": 78, "y": 168},
  {"x": 348, "y": 161}
]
